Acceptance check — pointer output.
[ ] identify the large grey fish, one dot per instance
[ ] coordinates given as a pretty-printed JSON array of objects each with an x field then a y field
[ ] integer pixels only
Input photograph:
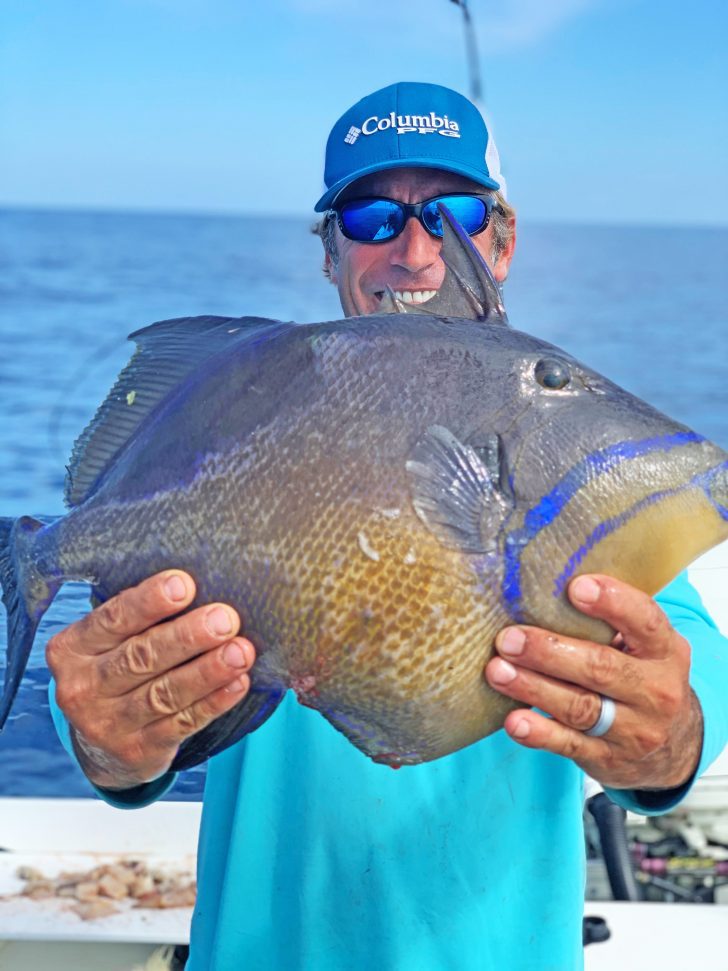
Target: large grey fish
[{"x": 377, "y": 497}]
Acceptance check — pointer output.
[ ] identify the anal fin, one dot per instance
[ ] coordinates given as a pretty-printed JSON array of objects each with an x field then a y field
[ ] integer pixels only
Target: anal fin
[{"x": 256, "y": 708}]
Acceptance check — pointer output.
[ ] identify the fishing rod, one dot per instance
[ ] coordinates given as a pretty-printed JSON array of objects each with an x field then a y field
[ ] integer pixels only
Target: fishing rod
[{"x": 471, "y": 45}]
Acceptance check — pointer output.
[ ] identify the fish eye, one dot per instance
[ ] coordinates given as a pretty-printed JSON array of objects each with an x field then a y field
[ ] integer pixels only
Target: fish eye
[{"x": 552, "y": 374}]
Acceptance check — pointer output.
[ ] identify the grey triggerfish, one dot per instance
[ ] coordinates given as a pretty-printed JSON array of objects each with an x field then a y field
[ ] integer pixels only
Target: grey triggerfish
[{"x": 377, "y": 497}]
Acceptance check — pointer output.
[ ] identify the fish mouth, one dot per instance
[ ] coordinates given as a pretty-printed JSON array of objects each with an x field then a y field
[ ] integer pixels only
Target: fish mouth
[{"x": 408, "y": 296}]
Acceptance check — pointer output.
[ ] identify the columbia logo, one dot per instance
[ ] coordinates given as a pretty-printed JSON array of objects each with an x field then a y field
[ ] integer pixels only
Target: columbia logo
[{"x": 428, "y": 124}]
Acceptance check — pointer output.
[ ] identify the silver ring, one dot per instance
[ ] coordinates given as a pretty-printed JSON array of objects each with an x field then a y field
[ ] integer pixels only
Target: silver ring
[{"x": 606, "y": 718}]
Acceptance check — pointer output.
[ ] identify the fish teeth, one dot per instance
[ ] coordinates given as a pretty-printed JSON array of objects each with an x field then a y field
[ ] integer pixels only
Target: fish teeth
[{"x": 414, "y": 296}]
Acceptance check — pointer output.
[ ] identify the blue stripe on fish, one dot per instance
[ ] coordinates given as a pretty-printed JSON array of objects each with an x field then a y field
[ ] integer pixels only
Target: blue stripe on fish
[
  {"x": 548, "y": 508},
  {"x": 702, "y": 480},
  {"x": 595, "y": 464}
]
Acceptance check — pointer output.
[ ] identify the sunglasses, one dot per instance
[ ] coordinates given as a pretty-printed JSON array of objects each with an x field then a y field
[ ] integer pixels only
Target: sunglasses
[{"x": 377, "y": 220}]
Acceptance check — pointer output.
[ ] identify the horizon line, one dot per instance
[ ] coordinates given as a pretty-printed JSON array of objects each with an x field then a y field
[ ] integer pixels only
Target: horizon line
[{"x": 313, "y": 217}]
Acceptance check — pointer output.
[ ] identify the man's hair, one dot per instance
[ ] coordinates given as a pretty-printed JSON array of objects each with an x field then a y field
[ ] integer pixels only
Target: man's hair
[{"x": 501, "y": 219}]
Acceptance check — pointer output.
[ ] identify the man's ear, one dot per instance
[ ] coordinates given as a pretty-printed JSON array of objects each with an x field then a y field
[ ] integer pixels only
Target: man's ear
[{"x": 503, "y": 263}]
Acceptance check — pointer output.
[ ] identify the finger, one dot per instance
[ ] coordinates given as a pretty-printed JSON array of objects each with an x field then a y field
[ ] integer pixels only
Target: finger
[
  {"x": 533, "y": 730},
  {"x": 165, "y": 646},
  {"x": 598, "y": 668},
  {"x": 179, "y": 689},
  {"x": 128, "y": 613},
  {"x": 576, "y": 707},
  {"x": 172, "y": 731},
  {"x": 642, "y": 624}
]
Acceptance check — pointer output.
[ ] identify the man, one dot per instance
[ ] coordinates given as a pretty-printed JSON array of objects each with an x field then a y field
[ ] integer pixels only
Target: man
[{"x": 311, "y": 856}]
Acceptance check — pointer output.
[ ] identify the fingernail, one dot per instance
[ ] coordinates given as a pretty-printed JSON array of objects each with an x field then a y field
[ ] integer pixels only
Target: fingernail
[
  {"x": 512, "y": 641},
  {"x": 218, "y": 621},
  {"x": 586, "y": 590},
  {"x": 234, "y": 655},
  {"x": 175, "y": 588},
  {"x": 501, "y": 672},
  {"x": 236, "y": 686},
  {"x": 522, "y": 729}
]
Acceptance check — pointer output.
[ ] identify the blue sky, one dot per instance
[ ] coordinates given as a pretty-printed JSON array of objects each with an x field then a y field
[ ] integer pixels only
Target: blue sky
[{"x": 604, "y": 110}]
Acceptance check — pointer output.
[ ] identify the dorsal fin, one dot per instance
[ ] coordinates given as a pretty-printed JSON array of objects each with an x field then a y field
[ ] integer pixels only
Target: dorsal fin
[
  {"x": 167, "y": 352},
  {"x": 469, "y": 288}
]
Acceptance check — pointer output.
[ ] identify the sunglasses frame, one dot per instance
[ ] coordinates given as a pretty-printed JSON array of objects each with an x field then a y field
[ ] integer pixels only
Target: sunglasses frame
[{"x": 416, "y": 210}]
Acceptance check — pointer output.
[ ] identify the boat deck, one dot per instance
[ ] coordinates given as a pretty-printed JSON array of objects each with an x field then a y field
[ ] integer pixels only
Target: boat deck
[{"x": 62, "y": 835}]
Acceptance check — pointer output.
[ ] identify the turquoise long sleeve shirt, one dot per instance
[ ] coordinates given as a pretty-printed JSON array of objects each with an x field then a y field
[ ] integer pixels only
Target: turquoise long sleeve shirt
[{"x": 313, "y": 858}]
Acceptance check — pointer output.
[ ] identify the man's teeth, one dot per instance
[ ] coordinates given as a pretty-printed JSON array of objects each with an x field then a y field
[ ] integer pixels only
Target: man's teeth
[{"x": 414, "y": 296}]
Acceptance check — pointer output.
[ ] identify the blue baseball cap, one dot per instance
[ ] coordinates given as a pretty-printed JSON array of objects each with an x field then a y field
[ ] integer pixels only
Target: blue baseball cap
[{"x": 409, "y": 124}]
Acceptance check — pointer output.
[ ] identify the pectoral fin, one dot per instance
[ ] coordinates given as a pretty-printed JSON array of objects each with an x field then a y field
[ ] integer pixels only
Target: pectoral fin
[{"x": 456, "y": 490}]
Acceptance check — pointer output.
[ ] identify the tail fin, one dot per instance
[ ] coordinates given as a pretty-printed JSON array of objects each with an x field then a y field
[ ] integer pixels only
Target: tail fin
[{"x": 26, "y": 594}]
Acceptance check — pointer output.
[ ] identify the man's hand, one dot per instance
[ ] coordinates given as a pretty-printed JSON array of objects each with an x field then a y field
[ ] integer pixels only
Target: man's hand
[
  {"x": 656, "y": 737},
  {"x": 135, "y": 685}
]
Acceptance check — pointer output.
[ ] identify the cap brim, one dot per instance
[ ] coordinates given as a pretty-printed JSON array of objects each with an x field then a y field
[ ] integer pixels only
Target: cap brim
[{"x": 327, "y": 199}]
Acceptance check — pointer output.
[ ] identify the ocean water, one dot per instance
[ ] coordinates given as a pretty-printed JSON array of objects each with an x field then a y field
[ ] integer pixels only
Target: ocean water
[{"x": 647, "y": 307}]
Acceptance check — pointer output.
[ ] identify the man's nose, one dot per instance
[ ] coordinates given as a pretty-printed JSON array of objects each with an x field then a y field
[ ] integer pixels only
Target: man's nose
[{"x": 414, "y": 249}]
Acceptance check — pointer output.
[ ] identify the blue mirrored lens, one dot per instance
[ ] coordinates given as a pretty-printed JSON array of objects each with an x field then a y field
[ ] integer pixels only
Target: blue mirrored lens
[
  {"x": 469, "y": 211},
  {"x": 372, "y": 220}
]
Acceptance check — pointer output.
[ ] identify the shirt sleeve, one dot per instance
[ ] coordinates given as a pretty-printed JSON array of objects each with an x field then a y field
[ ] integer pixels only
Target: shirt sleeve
[
  {"x": 709, "y": 680},
  {"x": 134, "y": 798}
]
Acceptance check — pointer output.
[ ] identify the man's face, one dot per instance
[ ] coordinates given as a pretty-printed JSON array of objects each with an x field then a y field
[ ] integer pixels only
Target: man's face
[{"x": 409, "y": 264}]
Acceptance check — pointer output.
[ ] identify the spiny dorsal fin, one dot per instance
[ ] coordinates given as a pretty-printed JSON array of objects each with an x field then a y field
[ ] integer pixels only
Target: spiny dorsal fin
[
  {"x": 469, "y": 288},
  {"x": 167, "y": 352}
]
